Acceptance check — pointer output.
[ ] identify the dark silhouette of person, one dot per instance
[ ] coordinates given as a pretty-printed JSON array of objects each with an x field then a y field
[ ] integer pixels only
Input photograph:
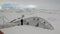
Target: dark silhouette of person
[{"x": 21, "y": 21}]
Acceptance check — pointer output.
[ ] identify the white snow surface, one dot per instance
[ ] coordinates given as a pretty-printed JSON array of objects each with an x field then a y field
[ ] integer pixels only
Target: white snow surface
[{"x": 52, "y": 18}]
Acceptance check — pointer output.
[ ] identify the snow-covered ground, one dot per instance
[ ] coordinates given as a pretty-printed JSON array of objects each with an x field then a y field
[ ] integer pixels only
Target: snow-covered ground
[{"x": 53, "y": 18}]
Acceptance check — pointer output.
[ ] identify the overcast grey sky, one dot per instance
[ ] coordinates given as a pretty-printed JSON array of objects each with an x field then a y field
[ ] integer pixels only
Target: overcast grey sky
[{"x": 43, "y": 4}]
